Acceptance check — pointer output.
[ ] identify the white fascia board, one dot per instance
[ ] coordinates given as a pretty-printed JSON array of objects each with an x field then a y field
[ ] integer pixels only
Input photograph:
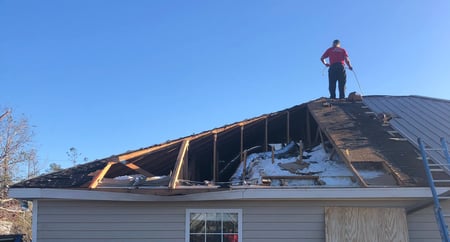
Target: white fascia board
[
  {"x": 346, "y": 193},
  {"x": 69, "y": 194},
  {"x": 236, "y": 194}
]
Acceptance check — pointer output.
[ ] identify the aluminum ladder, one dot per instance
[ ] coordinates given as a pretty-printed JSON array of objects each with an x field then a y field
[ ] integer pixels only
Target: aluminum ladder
[{"x": 440, "y": 216}]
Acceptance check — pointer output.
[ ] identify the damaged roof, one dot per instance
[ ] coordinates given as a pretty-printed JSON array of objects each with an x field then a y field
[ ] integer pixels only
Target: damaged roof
[{"x": 377, "y": 135}]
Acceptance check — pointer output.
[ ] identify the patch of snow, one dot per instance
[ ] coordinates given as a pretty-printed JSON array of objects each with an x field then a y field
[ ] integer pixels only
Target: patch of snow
[
  {"x": 124, "y": 178},
  {"x": 330, "y": 172}
]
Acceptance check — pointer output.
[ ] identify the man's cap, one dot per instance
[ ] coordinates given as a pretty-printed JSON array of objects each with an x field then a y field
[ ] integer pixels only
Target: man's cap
[{"x": 336, "y": 41}]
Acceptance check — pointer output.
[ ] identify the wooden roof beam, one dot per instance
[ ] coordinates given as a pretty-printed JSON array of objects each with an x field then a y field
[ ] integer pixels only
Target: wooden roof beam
[
  {"x": 134, "y": 154},
  {"x": 145, "y": 151},
  {"x": 98, "y": 178},
  {"x": 181, "y": 159},
  {"x": 137, "y": 169}
]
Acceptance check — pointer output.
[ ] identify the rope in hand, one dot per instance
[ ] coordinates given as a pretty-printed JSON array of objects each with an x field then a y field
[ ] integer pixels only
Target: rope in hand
[{"x": 357, "y": 81}]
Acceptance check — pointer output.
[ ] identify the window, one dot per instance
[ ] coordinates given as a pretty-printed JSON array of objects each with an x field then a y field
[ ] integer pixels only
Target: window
[{"x": 214, "y": 225}]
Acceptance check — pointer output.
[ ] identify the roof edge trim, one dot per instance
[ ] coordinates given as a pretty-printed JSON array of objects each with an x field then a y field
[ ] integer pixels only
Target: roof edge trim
[{"x": 237, "y": 194}]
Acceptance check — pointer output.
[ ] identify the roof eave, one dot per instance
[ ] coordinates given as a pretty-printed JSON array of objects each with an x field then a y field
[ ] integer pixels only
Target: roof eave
[{"x": 391, "y": 193}]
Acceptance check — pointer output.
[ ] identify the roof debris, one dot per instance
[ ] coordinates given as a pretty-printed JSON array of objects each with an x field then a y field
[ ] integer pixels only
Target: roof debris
[
  {"x": 135, "y": 180},
  {"x": 287, "y": 169}
]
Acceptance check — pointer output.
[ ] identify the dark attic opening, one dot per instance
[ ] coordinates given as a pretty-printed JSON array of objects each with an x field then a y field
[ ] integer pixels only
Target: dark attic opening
[
  {"x": 217, "y": 156},
  {"x": 207, "y": 158},
  {"x": 211, "y": 157},
  {"x": 352, "y": 148}
]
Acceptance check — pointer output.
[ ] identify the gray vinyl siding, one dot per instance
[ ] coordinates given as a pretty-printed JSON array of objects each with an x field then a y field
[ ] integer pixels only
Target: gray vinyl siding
[
  {"x": 263, "y": 221},
  {"x": 422, "y": 224}
]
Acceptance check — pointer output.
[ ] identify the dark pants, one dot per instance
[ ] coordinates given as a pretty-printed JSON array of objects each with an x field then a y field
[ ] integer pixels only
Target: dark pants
[{"x": 336, "y": 72}]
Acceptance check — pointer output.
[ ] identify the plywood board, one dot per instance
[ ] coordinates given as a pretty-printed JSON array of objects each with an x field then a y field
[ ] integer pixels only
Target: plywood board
[{"x": 345, "y": 224}]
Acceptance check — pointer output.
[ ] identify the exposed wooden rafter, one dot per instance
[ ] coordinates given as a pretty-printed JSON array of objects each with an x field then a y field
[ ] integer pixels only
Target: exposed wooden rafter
[
  {"x": 242, "y": 142},
  {"x": 215, "y": 161},
  {"x": 266, "y": 134},
  {"x": 308, "y": 128},
  {"x": 181, "y": 159},
  {"x": 137, "y": 169},
  {"x": 145, "y": 151},
  {"x": 288, "y": 139},
  {"x": 98, "y": 178}
]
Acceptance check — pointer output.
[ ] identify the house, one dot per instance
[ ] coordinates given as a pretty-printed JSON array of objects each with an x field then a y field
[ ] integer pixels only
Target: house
[{"x": 319, "y": 171}]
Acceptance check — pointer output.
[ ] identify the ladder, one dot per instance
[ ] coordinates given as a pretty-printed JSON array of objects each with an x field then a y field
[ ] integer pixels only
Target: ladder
[{"x": 437, "y": 167}]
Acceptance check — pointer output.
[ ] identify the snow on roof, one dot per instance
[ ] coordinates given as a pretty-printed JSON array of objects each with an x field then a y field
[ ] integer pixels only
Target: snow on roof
[{"x": 288, "y": 169}]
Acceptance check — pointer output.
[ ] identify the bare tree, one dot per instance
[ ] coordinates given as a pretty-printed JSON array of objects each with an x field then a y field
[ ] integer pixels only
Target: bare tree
[
  {"x": 17, "y": 160},
  {"x": 33, "y": 164},
  {"x": 54, "y": 167},
  {"x": 16, "y": 150},
  {"x": 74, "y": 155}
]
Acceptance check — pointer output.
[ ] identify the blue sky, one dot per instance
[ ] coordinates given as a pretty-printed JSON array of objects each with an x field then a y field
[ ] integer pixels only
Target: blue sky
[{"x": 111, "y": 76}]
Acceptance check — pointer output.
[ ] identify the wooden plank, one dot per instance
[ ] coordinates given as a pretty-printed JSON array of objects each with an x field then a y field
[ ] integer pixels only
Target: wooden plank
[
  {"x": 242, "y": 142},
  {"x": 137, "y": 169},
  {"x": 179, "y": 163},
  {"x": 316, "y": 139},
  {"x": 304, "y": 177},
  {"x": 322, "y": 141},
  {"x": 365, "y": 224},
  {"x": 273, "y": 153},
  {"x": 308, "y": 129},
  {"x": 215, "y": 163},
  {"x": 266, "y": 135},
  {"x": 288, "y": 139},
  {"x": 146, "y": 151},
  {"x": 96, "y": 180}
]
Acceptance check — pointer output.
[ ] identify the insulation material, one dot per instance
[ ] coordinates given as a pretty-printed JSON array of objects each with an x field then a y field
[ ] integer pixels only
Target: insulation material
[{"x": 313, "y": 163}]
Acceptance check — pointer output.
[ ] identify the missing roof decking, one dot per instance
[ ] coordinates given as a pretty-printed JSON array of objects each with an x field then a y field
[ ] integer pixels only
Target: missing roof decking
[
  {"x": 361, "y": 137},
  {"x": 346, "y": 130},
  {"x": 285, "y": 168}
]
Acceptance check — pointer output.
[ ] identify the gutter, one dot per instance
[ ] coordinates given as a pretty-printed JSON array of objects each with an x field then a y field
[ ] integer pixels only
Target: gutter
[{"x": 416, "y": 193}]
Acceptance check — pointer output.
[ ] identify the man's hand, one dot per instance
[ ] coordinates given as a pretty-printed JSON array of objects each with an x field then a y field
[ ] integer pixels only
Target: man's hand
[
  {"x": 327, "y": 65},
  {"x": 351, "y": 68}
]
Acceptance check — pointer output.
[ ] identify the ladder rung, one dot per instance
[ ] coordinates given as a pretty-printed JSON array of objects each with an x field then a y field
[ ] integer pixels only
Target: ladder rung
[
  {"x": 433, "y": 149},
  {"x": 441, "y": 181},
  {"x": 433, "y": 165},
  {"x": 444, "y": 197},
  {"x": 436, "y": 169}
]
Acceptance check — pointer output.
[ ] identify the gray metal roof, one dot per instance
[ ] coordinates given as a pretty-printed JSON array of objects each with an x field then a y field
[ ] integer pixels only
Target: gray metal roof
[{"x": 416, "y": 116}]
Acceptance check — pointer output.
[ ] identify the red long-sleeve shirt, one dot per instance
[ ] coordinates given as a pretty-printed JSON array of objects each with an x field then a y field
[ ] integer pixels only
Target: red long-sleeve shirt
[{"x": 336, "y": 55}]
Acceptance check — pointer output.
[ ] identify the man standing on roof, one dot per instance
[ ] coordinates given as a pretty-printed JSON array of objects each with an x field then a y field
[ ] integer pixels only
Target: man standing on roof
[{"x": 336, "y": 72}]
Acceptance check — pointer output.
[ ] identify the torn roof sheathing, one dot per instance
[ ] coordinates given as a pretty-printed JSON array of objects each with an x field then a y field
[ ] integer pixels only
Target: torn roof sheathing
[
  {"x": 294, "y": 123},
  {"x": 361, "y": 140}
]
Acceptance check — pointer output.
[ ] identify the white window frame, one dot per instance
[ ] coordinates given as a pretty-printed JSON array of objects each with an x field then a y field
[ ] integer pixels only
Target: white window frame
[{"x": 188, "y": 219}]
